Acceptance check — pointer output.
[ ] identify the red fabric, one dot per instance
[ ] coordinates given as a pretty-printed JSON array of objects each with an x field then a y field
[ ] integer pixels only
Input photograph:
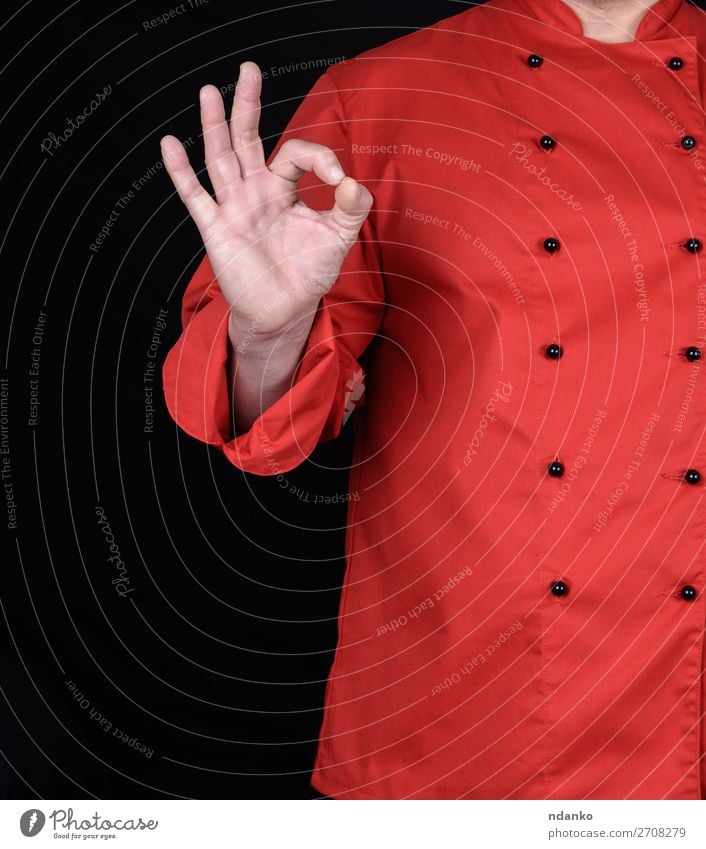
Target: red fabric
[{"x": 458, "y": 672}]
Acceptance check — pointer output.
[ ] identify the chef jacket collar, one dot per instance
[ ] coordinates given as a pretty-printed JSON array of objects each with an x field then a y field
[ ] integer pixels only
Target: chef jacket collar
[{"x": 654, "y": 24}]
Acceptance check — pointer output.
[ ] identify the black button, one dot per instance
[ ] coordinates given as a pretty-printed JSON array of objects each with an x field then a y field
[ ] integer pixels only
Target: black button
[
  {"x": 688, "y": 593},
  {"x": 551, "y": 245},
  {"x": 559, "y": 588},
  {"x": 534, "y": 61},
  {"x": 692, "y": 476},
  {"x": 688, "y": 142},
  {"x": 556, "y": 469},
  {"x": 692, "y": 353},
  {"x": 554, "y": 351},
  {"x": 692, "y": 245},
  {"x": 547, "y": 142},
  {"x": 676, "y": 63}
]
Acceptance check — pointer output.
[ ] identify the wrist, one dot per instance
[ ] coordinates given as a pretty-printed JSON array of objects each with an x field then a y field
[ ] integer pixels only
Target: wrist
[{"x": 250, "y": 343}]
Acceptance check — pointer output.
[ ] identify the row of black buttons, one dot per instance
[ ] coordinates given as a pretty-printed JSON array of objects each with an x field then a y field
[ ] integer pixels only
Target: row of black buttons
[
  {"x": 556, "y": 352},
  {"x": 687, "y": 592},
  {"x": 549, "y": 142},
  {"x": 556, "y": 470},
  {"x": 552, "y": 245},
  {"x": 676, "y": 63}
]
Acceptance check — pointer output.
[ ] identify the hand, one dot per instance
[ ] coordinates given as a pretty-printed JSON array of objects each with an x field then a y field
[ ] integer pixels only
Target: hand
[{"x": 273, "y": 256}]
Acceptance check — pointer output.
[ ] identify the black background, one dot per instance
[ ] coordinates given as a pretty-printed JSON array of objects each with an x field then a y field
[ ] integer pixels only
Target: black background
[{"x": 217, "y": 658}]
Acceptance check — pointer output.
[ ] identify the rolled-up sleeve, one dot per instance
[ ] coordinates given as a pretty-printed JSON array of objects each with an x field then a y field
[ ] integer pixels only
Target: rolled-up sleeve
[{"x": 329, "y": 379}]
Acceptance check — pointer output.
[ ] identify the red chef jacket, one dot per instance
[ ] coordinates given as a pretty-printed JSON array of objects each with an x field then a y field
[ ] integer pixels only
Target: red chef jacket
[{"x": 524, "y": 602}]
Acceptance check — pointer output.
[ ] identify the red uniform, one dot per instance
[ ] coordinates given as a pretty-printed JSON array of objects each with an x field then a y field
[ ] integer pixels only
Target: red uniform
[{"x": 524, "y": 604}]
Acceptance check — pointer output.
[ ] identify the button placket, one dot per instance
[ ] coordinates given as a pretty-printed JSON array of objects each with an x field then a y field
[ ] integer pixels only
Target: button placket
[
  {"x": 684, "y": 71},
  {"x": 671, "y": 149},
  {"x": 688, "y": 593}
]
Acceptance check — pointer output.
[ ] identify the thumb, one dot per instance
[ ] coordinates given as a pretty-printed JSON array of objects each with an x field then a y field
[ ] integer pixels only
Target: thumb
[{"x": 351, "y": 207}]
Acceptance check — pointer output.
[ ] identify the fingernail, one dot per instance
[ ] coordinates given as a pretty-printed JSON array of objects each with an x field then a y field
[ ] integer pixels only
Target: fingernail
[{"x": 337, "y": 173}]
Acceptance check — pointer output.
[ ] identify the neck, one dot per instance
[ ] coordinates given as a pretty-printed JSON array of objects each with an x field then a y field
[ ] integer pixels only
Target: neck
[{"x": 610, "y": 20}]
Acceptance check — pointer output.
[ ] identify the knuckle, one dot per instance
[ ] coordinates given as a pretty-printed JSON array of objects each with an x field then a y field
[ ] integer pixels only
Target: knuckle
[
  {"x": 246, "y": 135},
  {"x": 217, "y": 158},
  {"x": 289, "y": 144},
  {"x": 304, "y": 146},
  {"x": 327, "y": 156}
]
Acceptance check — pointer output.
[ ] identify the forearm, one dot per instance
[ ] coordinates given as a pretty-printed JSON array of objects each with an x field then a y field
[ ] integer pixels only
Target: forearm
[{"x": 261, "y": 369}]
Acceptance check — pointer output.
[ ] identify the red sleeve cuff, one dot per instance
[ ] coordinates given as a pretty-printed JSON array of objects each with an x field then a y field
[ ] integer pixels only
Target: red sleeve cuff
[{"x": 285, "y": 434}]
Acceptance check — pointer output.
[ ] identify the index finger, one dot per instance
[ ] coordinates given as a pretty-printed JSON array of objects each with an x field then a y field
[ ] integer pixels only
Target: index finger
[{"x": 297, "y": 156}]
